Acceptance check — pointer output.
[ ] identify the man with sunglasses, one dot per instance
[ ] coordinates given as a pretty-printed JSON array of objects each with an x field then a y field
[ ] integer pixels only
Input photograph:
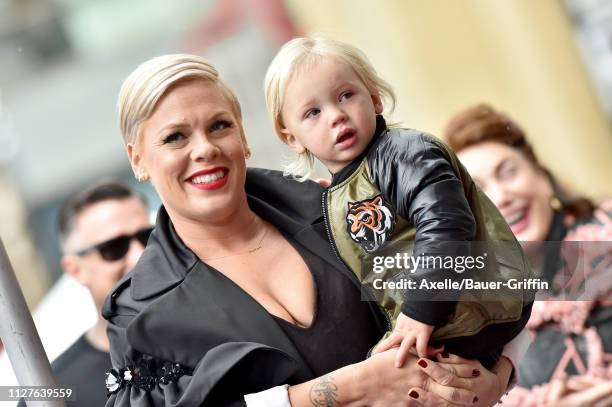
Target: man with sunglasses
[{"x": 103, "y": 231}]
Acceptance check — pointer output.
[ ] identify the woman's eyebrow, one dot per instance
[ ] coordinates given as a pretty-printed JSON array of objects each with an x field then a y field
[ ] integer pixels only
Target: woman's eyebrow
[
  {"x": 182, "y": 124},
  {"x": 217, "y": 114},
  {"x": 171, "y": 126}
]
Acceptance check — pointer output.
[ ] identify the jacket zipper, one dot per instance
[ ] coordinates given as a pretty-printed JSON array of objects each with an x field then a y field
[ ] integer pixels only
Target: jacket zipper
[{"x": 346, "y": 267}]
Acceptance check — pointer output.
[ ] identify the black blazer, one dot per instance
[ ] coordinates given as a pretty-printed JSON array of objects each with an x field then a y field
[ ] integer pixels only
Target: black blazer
[{"x": 188, "y": 335}]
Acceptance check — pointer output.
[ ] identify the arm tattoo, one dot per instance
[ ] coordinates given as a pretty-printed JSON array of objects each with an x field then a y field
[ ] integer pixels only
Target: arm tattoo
[{"x": 324, "y": 393}]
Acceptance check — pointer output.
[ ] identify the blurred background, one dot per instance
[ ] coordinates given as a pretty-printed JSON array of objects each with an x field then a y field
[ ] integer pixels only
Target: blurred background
[{"x": 547, "y": 63}]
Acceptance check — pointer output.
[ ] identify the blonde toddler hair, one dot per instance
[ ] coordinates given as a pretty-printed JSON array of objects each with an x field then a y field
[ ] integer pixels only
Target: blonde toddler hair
[
  {"x": 297, "y": 57},
  {"x": 143, "y": 88}
]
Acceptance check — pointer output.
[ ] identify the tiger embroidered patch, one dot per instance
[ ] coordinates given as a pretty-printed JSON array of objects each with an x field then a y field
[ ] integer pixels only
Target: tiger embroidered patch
[{"x": 370, "y": 222}]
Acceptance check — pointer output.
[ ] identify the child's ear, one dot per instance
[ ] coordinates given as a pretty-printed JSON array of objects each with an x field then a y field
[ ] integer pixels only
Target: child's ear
[
  {"x": 292, "y": 142},
  {"x": 378, "y": 105}
]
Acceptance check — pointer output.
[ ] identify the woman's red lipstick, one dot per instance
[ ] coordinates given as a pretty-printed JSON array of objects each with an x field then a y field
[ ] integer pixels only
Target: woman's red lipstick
[{"x": 209, "y": 179}]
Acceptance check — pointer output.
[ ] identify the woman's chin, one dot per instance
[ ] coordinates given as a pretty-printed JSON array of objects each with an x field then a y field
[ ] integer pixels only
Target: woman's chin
[
  {"x": 531, "y": 234},
  {"x": 536, "y": 229},
  {"x": 523, "y": 237}
]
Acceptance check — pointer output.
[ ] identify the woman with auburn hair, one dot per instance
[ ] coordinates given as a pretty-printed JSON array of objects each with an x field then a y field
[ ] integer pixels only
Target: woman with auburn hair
[
  {"x": 237, "y": 299},
  {"x": 568, "y": 363}
]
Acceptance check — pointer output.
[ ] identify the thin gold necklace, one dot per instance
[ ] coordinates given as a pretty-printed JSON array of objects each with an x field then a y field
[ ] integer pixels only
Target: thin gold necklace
[{"x": 249, "y": 251}]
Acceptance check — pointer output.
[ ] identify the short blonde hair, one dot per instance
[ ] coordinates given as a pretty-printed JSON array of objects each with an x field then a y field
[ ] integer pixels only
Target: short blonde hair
[
  {"x": 143, "y": 88},
  {"x": 300, "y": 55}
]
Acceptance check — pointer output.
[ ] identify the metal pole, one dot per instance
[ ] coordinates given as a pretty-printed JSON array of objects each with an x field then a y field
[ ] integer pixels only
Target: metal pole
[{"x": 17, "y": 330}]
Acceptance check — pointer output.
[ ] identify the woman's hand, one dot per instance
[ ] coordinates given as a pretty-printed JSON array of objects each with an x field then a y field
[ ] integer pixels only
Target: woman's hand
[
  {"x": 577, "y": 391},
  {"x": 385, "y": 385},
  {"x": 454, "y": 372},
  {"x": 375, "y": 382},
  {"x": 580, "y": 391}
]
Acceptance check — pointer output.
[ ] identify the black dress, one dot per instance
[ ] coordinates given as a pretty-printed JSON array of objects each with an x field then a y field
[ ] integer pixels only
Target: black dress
[{"x": 342, "y": 331}]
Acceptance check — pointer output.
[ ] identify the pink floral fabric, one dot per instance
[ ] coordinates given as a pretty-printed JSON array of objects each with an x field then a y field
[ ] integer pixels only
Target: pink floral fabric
[{"x": 571, "y": 316}]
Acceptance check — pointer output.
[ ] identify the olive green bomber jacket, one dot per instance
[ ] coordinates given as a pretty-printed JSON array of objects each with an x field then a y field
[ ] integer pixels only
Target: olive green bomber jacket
[{"x": 409, "y": 191}]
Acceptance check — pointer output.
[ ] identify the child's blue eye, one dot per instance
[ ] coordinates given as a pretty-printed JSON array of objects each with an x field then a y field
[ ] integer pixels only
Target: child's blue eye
[
  {"x": 346, "y": 95},
  {"x": 173, "y": 138},
  {"x": 312, "y": 113}
]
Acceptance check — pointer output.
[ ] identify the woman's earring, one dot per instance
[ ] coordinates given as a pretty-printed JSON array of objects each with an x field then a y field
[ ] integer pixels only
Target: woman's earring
[
  {"x": 555, "y": 203},
  {"x": 141, "y": 178}
]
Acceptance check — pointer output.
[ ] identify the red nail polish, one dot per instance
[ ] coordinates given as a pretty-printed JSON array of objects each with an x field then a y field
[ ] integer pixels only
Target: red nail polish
[
  {"x": 414, "y": 394},
  {"x": 475, "y": 373},
  {"x": 475, "y": 400},
  {"x": 445, "y": 355},
  {"x": 422, "y": 363}
]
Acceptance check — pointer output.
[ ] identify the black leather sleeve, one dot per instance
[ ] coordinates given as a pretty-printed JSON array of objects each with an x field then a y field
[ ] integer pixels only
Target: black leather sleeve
[{"x": 414, "y": 174}]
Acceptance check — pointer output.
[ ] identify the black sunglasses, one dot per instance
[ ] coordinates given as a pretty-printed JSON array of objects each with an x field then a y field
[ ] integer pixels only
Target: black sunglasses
[{"x": 116, "y": 248}]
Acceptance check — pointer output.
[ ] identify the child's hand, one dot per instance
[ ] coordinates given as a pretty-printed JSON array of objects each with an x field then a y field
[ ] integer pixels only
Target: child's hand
[{"x": 407, "y": 332}]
